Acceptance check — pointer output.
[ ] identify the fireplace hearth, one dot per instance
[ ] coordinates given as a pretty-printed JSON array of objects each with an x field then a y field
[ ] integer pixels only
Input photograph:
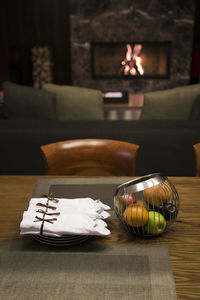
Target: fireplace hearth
[{"x": 130, "y": 60}]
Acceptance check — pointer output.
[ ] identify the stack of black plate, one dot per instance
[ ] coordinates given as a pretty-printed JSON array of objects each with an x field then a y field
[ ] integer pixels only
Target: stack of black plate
[{"x": 65, "y": 240}]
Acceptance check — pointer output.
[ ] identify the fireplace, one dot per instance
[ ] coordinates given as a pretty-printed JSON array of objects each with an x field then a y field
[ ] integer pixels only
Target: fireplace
[{"x": 130, "y": 60}]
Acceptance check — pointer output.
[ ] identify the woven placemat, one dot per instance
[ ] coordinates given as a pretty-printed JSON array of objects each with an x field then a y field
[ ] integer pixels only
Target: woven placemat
[
  {"x": 95, "y": 271},
  {"x": 124, "y": 272},
  {"x": 66, "y": 188},
  {"x": 103, "y": 192}
]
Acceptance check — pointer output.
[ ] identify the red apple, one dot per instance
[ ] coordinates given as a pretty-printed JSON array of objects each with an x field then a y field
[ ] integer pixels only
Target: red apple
[{"x": 129, "y": 198}]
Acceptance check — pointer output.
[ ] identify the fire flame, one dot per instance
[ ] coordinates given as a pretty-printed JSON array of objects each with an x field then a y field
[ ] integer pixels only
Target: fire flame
[{"x": 132, "y": 64}]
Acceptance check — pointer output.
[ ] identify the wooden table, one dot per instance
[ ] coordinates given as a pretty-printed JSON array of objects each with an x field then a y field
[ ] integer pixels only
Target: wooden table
[{"x": 183, "y": 239}]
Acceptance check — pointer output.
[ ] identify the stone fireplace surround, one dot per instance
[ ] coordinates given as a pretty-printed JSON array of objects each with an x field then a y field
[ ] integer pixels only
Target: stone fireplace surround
[
  {"x": 110, "y": 21},
  {"x": 129, "y": 60}
]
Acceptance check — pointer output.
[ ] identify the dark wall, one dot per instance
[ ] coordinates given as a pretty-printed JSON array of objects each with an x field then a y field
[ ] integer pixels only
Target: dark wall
[{"x": 23, "y": 24}]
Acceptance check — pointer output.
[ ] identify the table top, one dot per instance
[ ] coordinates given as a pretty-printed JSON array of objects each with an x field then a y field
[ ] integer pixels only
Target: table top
[{"x": 183, "y": 238}]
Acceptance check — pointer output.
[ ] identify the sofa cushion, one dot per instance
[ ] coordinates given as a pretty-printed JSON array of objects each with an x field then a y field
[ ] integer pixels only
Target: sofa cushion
[
  {"x": 77, "y": 103},
  {"x": 24, "y": 102},
  {"x": 171, "y": 104},
  {"x": 195, "y": 112}
]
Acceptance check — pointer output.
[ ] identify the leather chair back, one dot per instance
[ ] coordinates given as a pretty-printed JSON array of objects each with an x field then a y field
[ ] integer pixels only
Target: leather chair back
[
  {"x": 90, "y": 157},
  {"x": 197, "y": 155}
]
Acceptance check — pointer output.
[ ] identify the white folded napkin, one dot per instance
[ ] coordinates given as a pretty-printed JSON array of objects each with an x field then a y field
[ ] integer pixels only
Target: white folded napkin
[
  {"x": 85, "y": 205},
  {"x": 81, "y": 216},
  {"x": 80, "y": 204},
  {"x": 66, "y": 223}
]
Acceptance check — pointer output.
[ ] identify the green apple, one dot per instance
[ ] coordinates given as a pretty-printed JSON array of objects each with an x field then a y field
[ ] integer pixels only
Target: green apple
[{"x": 156, "y": 223}]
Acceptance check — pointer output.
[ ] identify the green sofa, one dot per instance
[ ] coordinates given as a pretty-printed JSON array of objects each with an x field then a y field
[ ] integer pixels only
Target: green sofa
[
  {"x": 181, "y": 103},
  {"x": 52, "y": 102}
]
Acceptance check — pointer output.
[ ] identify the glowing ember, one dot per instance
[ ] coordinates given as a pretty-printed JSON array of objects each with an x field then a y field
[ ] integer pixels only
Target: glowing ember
[{"x": 132, "y": 64}]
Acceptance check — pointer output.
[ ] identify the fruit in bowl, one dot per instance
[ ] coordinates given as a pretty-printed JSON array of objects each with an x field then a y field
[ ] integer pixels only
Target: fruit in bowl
[
  {"x": 123, "y": 201},
  {"x": 128, "y": 199},
  {"x": 156, "y": 223},
  {"x": 170, "y": 211},
  {"x": 147, "y": 205},
  {"x": 157, "y": 195},
  {"x": 143, "y": 203},
  {"x": 135, "y": 215}
]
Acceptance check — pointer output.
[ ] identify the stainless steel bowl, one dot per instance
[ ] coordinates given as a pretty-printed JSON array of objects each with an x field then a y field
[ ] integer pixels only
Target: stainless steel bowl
[{"x": 148, "y": 205}]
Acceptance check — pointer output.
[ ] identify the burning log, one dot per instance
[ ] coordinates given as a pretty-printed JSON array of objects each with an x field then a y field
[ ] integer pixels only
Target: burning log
[{"x": 132, "y": 64}]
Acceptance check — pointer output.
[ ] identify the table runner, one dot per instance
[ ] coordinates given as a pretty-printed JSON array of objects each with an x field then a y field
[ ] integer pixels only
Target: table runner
[
  {"x": 69, "y": 188},
  {"x": 87, "y": 271},
  {"x": 108, "y": 271},
  {"x": 103, "y": 192}
]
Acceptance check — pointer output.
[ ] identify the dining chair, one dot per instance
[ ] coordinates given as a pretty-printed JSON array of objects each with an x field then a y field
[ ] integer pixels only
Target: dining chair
[
  {"x": 90, "y": 157},
  {"x": 197, "y": 155}
]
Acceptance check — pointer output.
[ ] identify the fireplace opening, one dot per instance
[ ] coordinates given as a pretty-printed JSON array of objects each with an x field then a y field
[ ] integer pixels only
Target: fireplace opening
[{"x": 130, "y": 60}]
